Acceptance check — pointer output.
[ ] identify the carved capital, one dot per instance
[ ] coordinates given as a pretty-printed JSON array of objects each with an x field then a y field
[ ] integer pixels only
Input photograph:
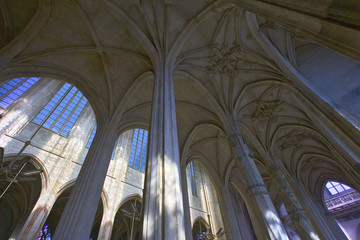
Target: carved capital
[{"x": 256, "y": 189}]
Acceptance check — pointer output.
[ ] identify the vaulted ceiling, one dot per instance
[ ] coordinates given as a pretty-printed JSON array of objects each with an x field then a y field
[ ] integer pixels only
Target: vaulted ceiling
[{"x": 108, "y": 49}]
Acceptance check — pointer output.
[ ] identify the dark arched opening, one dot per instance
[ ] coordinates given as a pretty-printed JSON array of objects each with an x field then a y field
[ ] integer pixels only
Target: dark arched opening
[
  {"x": 127, "y": 223},
  {"x": 20, "y": 197},
  {"x": 57, "y": 210}
]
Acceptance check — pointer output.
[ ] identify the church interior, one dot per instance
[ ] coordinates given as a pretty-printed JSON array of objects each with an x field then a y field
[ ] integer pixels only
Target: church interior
[{"x": 179, "y": 119}]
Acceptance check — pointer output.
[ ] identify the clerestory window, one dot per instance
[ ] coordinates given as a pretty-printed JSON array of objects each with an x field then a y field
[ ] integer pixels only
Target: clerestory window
[
  {"x": 13, "y": 89},
  {"x": 138, "y": 150},
  {"x": 61, "y": 112},
  {"x": 192, "y": 179},
  {"x": 336, "y": 188}
]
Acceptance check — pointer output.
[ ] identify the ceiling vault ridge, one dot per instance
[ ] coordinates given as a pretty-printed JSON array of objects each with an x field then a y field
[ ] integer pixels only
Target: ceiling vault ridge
[
  {"x": 99, "y": 50},
  {"x": 145, "y": 76},
  {"x": 134, "y": 28},
  {"x": 28, "y": 34},
  {"x": 74, "y": 49}
]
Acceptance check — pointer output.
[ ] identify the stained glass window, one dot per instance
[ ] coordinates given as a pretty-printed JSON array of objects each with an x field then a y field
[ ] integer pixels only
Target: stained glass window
[
  {"x": 138, "y": 150},
  {"x": 192, "y": 179},
  {"x": 62, "y": 111},
  {"x": 336, "y": 188},
  {"x": 91, "y": 138},
  {"x": 45, "y": 233},
  {"x": 13, "y": 89}
]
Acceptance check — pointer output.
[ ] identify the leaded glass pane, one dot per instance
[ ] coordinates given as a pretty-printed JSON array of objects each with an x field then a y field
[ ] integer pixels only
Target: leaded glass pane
[
  {"x": 138, "y": 150},
  {"x": 62, "y": 111}
]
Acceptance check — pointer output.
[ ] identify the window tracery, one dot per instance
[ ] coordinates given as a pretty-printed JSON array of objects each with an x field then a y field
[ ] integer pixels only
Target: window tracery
[
  {"x": 64, "y": 109},
  {"x": 138, "y": 150}
]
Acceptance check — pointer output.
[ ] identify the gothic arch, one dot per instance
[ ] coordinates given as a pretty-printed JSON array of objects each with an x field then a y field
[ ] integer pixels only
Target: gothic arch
[{"x": 20, "y": 198}]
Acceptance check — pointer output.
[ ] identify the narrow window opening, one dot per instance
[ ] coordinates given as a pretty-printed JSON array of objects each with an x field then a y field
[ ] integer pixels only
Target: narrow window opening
[{"x": 138, "y": 150}]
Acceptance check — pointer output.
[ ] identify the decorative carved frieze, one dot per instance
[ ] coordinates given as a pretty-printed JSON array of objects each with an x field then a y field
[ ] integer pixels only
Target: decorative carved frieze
[{"x": 266, "y": 109}]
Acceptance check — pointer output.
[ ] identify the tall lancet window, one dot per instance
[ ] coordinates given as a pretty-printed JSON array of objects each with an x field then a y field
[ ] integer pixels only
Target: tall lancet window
[
  {"x": 61, "y": 112},
  {"x": 192, "y": 179},
  {"x": 13, "y": 89},
  {"x": 138, "y": 150}
]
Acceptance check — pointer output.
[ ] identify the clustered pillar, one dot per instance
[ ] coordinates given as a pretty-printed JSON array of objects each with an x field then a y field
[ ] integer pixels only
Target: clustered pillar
[
  {"x": 266, "y": 222},
  {"x": 292, "y": 205},
  {"x": 79, "y": 213},
  {"x": 163, "y": 200},
  {"x": 164, "y": 209}
]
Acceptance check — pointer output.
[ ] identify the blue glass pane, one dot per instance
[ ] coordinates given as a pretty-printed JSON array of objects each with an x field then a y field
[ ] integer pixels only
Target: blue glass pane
[
  {"x": 133, "y": 148},
  {"x": 69, "y": 104},
  {"x": 138, "y": 150},
  {"x": 143, "y": 154},
  {"x": 336, "y": 188},
  {"x": 9, "y": 85},
  {"x": 16, "y": 92},
  {"x": 74, "y": 116},
  {"x": 192, "y": 179},
  {"x": 51, "y": 104}
]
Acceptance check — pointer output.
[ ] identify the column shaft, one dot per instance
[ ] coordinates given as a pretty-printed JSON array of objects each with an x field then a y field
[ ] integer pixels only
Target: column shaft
[
  {"x": 293, "y": 207},
  {"x": 163, "y": 200},
  {"x": 187, "y": 215},
  {"x": 266, "y": 221},
  {"x": 38, "y": 216},
  {"x": 325, "y": 224},
  {"x": 229, "y": 215},
  {"x": 78, "y": 216},
  {"x": 106, "y": 225}
]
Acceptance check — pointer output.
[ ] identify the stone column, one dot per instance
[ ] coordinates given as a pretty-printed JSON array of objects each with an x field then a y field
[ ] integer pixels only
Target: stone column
[
  {"x": 163, "y": 200},
  {"x": 233, "y": 230},
  {"x": 266, "y": 222},
  {"x": 78, "y": 216},
  {"x": 38, "y": 216},
  {"x": 107, "y": 224},
  {"x": 292, "y": 205},
  {"x": 241, "y": 214},
  {"x": 324, "y": 222}
]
